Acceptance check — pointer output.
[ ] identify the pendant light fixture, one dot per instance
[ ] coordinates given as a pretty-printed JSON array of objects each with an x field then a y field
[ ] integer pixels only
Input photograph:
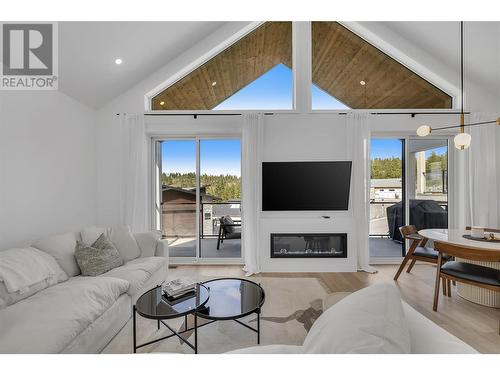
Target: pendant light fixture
[{"x": 462, "y": 140}]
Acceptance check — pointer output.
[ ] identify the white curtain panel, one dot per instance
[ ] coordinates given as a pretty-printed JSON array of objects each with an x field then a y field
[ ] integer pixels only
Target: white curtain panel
[
  {"x": 359, "y": 131},
  {"x": 483, "y": 164},
  {"x": 133, "y": 171},
  {"x": 252, "y": 133}
]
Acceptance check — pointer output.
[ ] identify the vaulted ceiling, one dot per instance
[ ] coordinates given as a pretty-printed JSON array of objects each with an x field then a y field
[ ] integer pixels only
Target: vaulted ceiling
[
  {"x": 340, "y": 61},
  {"x": 87, "y": 51}
]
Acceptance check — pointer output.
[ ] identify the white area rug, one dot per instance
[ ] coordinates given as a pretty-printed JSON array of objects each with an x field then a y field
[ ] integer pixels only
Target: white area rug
[{"x": 291, "y": 306}]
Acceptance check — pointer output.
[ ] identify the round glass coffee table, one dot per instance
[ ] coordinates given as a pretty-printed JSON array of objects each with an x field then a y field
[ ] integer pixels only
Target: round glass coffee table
[
  {"x": 153, "y": 305},
  {"x": 232, "y": 299}
]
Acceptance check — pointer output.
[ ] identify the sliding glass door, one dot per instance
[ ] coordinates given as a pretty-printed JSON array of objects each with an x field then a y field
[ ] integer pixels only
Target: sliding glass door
[
  {"x": 179, "y": 197},
  {"x": 387, "y": 208},
  {"x": 409, "y": 186},
  {"x": 200, "y": 183},
  {"x": 220, "y": 198},
  {"x": 428, "y": 183}
]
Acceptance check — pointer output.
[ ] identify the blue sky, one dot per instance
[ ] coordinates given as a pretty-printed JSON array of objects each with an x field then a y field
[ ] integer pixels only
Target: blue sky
[
  {"x": 216, "y": 156},
  {"x": 387, "y": 148},
  {"x": 273, "y": 90}
]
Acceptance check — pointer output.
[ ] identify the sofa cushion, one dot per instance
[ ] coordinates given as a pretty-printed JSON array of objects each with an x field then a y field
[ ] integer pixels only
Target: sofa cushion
[
  {"x": 97, "y": 258},
  {"x": 368, "y": 321},
  {"x": 125, "y": 242},
  {"x": 48, "y": 321},
  {"x": 137, "y": 272},
  {"x": 426, "y": 337},
  {"x": 91, "y": 234},
  {"x": 147, "y": 242},
  {"x": 62, "y": 248}
]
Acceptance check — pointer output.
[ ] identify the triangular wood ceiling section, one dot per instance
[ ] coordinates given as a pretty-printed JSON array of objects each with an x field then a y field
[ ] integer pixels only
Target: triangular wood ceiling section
[
  {"x": 232, "y": 69},
  {"x": 340, "y": 60}
]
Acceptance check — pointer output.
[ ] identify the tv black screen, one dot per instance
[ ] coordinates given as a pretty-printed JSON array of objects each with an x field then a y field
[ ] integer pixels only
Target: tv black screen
[{"x": 306, "y": 186}]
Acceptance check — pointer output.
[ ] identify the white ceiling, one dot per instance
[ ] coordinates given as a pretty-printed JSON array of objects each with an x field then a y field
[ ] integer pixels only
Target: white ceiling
[
  {"x": 87, "y": 53},
  {"x": 442, "y": 41}
]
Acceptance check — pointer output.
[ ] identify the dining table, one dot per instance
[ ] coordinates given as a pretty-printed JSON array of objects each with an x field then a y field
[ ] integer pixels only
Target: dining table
[{"x": 471, "y": 293}]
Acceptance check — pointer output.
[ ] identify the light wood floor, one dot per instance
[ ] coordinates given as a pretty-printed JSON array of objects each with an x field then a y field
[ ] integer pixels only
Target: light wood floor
[{"x": 474, "y": 324}]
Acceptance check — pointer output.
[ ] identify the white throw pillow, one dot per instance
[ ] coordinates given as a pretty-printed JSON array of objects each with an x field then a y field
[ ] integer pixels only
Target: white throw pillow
[
  {"x": 7, "y": 299},
  {"x": 125, "y": 242},
  {"x": 368, "y": 321},
  {"x": 62, "y": 248},
  {"x": 91, "y": 234}
]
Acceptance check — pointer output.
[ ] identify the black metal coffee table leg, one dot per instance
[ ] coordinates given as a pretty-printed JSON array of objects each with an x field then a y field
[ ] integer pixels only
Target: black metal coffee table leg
[
  {"x": 133, "y": 323},
  {"x": 195, "y": 333},
  {"x": 258, "y": 327}
]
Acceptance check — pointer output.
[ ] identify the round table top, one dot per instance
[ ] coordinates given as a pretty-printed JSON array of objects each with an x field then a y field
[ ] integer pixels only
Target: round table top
[
  {"x": 455, "y": 237},
  {"x": 232, "y": 298},
  {"x": 154, "y": 305}
]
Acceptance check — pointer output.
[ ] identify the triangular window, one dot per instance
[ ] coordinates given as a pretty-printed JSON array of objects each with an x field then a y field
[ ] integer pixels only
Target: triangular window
[
  {"x": 359, "y": 75},
  {"x": 253, "y": 73}
]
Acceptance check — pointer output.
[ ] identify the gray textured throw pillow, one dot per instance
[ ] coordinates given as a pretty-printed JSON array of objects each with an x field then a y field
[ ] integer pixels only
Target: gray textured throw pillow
[{"x": 97, "y": 258}]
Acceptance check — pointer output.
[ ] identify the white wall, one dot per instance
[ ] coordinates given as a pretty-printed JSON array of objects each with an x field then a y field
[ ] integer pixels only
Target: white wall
[{"x": 47, "y": 166}]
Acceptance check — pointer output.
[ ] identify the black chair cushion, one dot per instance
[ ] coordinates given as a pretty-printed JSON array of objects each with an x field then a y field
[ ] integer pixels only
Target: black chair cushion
[
  {"x": 235, "y": 234},
  {"x": 226, "y": 220},
  {"x": 428, "y": 252},
  {"x": 472, "y": 272}
]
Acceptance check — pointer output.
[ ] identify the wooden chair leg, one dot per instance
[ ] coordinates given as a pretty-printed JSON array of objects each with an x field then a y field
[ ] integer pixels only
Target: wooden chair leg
[
  {"x": 436, "y": 284},
  {"x": 408, "y": 256},
  {"x": 443, "y": 281},
  {"x": 411, "y": 265},
  {"x": 402, "y": 266},
  {"x": 448, "y": 287}
]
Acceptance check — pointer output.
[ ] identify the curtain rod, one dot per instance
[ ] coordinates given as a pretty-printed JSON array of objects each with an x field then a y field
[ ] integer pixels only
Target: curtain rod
[{"x": 195, "y": 115}]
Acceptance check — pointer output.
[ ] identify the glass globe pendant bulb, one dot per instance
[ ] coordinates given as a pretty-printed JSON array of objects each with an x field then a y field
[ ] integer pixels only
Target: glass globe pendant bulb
[
  {"x": 462, "y": 141},
  {"x": 424, "y": 130}
]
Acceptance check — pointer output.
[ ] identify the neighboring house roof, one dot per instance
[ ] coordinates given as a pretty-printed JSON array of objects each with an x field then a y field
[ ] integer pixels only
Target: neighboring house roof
[
  {"x": 386, "y": 183},
  {"x": 190, "y": 190}
]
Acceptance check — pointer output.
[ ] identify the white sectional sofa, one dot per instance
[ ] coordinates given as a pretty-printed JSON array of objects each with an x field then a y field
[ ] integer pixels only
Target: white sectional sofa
[
  {"x": 83, "y": 313},
  {"x": 373, "y": 320}
]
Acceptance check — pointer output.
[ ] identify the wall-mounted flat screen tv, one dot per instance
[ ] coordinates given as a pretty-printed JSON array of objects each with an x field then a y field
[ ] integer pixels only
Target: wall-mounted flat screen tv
[{"x": 306, "y": 186}]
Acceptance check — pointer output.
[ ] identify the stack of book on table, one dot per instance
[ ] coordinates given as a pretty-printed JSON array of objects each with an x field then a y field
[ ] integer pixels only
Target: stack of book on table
[{"x": 178, "y": 288}]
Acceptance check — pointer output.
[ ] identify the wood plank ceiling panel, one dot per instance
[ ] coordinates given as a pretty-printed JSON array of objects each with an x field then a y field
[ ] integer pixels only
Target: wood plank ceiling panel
[
  {"x": 232, "y": 69},
  {"x": 340, "y": 60}
]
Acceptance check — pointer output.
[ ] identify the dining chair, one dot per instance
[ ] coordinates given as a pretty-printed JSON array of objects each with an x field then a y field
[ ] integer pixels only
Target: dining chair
[
  {"x": 417, "y": 250},
  {"x": 467, "y": 273}
]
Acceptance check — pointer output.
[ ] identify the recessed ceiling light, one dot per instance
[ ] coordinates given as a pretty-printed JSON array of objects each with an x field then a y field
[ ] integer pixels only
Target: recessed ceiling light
[
  {"x": 118, "y": 61},
  {"x": 162, "y": 103},
  {"x": 362, "y": 83},
  {"x": 214, "y": 83}
]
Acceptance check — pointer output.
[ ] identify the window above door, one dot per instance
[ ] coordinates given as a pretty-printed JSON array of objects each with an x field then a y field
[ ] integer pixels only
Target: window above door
[{"x": 253, "y": 73}]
